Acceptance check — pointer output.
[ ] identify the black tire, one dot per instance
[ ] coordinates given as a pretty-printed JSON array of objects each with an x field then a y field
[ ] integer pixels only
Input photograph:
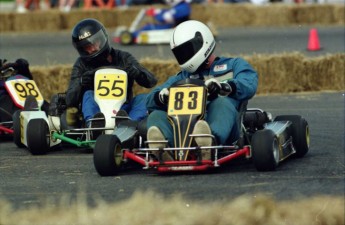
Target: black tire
[
  {"x": 299, "y": 132},
  {"x": 126, "y": 38},
  {"x": 265, "y": 150},
  {"x": 107, "y": 155},
  {"x": 37, "y": 133},
  {"x": 17, "y": 131}
]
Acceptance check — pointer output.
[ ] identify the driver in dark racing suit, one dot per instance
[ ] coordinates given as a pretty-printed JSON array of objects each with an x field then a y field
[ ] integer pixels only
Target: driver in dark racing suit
[
  {"x": 90, "y": 39},
  {"x": 7, "y": 106}
]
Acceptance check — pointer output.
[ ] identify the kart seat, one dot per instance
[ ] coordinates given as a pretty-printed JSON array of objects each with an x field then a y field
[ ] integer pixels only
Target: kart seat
[
  {"x": 242, "y": 108},
  {"x": 255, "y": 118}
]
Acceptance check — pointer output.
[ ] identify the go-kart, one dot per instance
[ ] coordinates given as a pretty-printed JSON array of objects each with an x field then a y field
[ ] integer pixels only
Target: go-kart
[
  {"x": 6, "y": 126},
  {"x": 126, "y": 36},
  {"x": 18, "y": 88},
  {"x": 40, "y": 132},
  {"x": 265, "y": 141}
]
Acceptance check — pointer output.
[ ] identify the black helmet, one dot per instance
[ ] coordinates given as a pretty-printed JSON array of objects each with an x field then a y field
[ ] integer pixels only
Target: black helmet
[{"x": 90, "y": 39}]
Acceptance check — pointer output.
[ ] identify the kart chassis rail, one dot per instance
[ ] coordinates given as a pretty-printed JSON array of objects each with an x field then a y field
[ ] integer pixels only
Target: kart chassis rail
[{"x": 142, "y": 156}]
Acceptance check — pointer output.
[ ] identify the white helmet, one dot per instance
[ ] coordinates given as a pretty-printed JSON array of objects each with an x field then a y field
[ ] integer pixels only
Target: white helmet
[{"x": 192, "y": 43}]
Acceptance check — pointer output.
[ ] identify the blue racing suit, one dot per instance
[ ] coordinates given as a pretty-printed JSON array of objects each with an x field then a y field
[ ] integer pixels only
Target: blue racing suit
[
  {"x": 176, "y": 14},
  {"x": 222, "y": 112}
]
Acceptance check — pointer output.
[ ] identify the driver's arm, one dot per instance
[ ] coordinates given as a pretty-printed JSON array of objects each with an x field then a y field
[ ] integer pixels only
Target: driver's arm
[
  {"x": 152, "y": 102},
  {"x": 139, "y": 73},
  {"x": 74, "y": 89}
]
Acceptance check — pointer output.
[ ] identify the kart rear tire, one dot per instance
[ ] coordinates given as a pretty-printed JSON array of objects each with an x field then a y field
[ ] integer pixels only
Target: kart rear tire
[
  {"x": 107, "y": 155},
  {"x": 265, "y": 150},
  {"x": 37, "y": 134},
  {"x": 17, "y": 129},
  {"x": 126, "y": 38},
  {"x": 299, "y": 132}
]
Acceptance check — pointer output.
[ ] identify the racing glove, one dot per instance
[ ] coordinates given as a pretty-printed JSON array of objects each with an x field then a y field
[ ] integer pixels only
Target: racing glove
[
  {"x": 162, "y": 97},
  {"x": 87, "y": 79},
  {"x": 225, "y": 89},
  {"x": 213, "y": 87}
]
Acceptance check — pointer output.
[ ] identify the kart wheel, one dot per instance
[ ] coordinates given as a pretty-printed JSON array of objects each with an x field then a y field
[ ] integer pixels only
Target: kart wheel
[
  {"x": 126, "y": 38},
  {"x": 300, "y": 133},
  {"x": 17, "y": 129},
  {"x": 107, "y": 155},
  {"x": 38, "y": 136},
  {"x": 265, "y": 150}
]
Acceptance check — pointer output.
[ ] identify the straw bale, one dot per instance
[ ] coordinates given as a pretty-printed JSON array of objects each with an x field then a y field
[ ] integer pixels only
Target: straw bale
[
  {"x": 313, "y": 14},
  {"x": 278, "y": 73},
  {"x": 222, "y": 15},
  {"x": 6, "y": 21},
  {"x": 37, "y": 21},
  {"x": 325, "y": 73}
]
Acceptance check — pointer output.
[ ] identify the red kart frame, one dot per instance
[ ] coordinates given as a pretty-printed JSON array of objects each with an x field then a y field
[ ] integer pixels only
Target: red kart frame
[{"x": 189, "y": 165}]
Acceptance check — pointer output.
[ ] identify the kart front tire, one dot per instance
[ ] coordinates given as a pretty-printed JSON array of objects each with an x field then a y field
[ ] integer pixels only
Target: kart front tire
[
  {"x": 126, "y": 38},
  {"x": 107, "y": 155},
  {"x": 38, "y": 139},
  {"x": 299, "y": 132},
  {"x": 265, "y": 150},
  {"x": 17, "y": 129}
]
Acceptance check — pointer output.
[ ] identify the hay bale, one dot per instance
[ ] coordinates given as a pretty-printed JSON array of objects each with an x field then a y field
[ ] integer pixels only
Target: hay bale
[
  {"x": 222, "y": 15},
  {"x": 278, "y": 73},
  {"x": 313, "y": 14},
  {"x": 339, "y": 14},
  {"x": 110, "y": 18},
  {"x": 325, "y": 73},
  {"x": 37, "y": 21},
  {"x": 6, "y": 21},
  {"x": 52, "y": 80}
]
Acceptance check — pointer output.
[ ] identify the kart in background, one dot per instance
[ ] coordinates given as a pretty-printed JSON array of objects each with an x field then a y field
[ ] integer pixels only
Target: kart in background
[
  {"x": 126, "y": 36},
  {"x": 6, "y": 127},
  {"x": 40, "y": 132},
  {"x": 263, "y": 140},
  {"x": 18, "y": 88},
  {"x": 133, "y": 35}
]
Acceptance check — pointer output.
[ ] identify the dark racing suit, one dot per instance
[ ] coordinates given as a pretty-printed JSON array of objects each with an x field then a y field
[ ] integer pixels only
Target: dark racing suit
[{"x": 135, "y": 107}]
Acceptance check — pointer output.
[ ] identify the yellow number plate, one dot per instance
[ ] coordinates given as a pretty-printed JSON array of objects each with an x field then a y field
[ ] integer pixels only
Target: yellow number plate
[
  {"x": 111, "y": 86},
  {"x": 23, "y": 88},
  {"x": 185, "y": 101}
]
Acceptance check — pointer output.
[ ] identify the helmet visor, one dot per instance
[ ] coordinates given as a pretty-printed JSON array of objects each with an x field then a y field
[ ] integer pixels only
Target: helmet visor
[
  {"x": 188, "y": 49},
  {"x": 92, "y": 45}
]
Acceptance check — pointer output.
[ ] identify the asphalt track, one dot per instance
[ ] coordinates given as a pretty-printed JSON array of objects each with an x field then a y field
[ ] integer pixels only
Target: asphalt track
[
  {"x": 27, "y": 180},
  {"x": 32, "y": 180},
  {"x": 56, "y": 48}
]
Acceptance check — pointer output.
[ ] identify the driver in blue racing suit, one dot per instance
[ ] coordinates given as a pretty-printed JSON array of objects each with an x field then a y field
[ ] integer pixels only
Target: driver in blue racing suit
[
  {"x": 90, "y": 39},
  {"x": 229, "y": 82},
  {"x": 168, "y": 18}
]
